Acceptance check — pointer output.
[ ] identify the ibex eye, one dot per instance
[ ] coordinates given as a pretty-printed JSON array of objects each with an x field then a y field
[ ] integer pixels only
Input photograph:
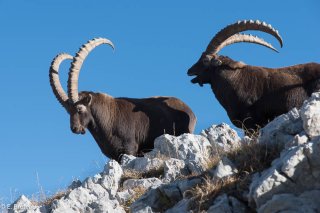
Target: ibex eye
[
  {"x": 217, "y": 62},
  {"x": 80, "y": 109}
]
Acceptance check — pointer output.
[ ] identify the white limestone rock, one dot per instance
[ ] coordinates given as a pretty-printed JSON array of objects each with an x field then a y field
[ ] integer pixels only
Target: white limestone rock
[
  {"x": 76, "y": 201},
  {"x": 282, "y": 129},
  {"x": 143, "y": 164},
  {"x": 306, "y": 202},
  {"x": 310, "y": 114},
  {"x": 94, "y": 188},
  {"x": 146, "y": 209},
  {"x": 105, "y": 205},
  {"x": 24, "y": 205},
  {"x": 297, "y": 140},
  {"x": 182, "y": 207},
  {"x": 111, "y": 177},
  {"x": 174, "y": 168},
  {"x": 195, "y": 150},
  {"x": 74, "y": 184},
  {"x": 296, "y": 171},
  {"x": 222, "y": 136},
  {"x": 112, "y": 168},
  {"x": 126, "y": 160},
  {"x": 125, "y": 195},
  {"x": 185, "y": 146},
  {"x": 227, "y": 204},
  {"x": 144, "y": 183},
  {"x": 165, "y": 196},
  {"x": 224, "y": 168}
]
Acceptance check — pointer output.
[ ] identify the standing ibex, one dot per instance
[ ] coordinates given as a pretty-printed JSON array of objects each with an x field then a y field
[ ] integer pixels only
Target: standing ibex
[
  {"x": 119, "y": 125},
  {"x": 252, "y": 95}
]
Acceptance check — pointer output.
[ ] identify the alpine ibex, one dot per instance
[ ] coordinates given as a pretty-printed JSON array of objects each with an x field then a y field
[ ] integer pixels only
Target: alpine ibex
[
  {"x": 119, "y": 125},
  {"x": 252, "y": 95}
]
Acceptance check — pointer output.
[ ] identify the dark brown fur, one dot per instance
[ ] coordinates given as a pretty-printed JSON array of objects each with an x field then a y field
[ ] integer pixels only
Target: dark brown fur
[
  {"x": 252, "y": 95},
  {"x": 129, "y": 125}
]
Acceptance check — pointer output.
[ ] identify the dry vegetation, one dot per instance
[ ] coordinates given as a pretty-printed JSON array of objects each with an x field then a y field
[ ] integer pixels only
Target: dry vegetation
[
  {"x": 46, "y": 200},
  {"x": 204, "y": 193},
  {"x": 137, "y": 193},
  {"x": 155, "y": 172},
  {"x": 133, "y": 174}
]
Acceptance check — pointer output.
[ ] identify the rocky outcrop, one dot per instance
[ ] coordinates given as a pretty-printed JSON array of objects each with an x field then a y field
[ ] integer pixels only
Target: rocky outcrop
[
  {"x": 297, "y": 171},
  {"x": 163, "y": 179}
]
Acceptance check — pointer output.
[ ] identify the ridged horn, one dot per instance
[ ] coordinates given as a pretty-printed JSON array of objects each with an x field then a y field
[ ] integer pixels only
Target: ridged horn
[
  {"x": 245, "y": 38},
  {"x": 238, "y": 27},
  {"x": 55, "y": 84},
  {"x": 77, "y": 64}
]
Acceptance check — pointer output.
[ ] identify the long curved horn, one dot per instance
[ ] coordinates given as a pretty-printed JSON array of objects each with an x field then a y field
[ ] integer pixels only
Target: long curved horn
[
  {"x": 238, "y": 27},
  {"x": 55, "y": 84},
  {"x": 77, "y": 63},
  {"x": 245, "y": 38}
]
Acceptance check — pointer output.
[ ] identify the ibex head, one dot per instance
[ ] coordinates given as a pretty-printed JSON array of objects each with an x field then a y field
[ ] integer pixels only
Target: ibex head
[
  {"x": 210, "y": 60},
  {"x": 80, "y": 114},
  {"x": 78, "y": 105}
]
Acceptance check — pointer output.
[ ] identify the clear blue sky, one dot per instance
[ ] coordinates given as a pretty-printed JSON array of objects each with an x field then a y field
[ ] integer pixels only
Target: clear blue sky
[{"x": 156, "y": 42}]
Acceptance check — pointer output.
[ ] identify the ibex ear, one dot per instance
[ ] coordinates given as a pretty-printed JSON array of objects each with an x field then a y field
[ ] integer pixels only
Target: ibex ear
[{"x": 87, "y": 100}]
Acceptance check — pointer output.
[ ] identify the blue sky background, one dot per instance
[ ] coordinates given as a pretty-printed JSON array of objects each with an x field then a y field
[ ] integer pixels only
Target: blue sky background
[{"x": 156, "y": 42}]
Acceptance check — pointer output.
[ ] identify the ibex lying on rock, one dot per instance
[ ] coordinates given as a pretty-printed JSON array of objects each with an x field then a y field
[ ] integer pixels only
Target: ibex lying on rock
[
  {"x": 252, "y": 95},
  {"x": 119, "y": 125}
]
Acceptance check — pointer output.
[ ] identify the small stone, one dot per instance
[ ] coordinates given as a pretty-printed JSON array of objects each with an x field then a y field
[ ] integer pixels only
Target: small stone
[
  {"x": 224, "y": 168},
  {"x": 145, "y": 183}
]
